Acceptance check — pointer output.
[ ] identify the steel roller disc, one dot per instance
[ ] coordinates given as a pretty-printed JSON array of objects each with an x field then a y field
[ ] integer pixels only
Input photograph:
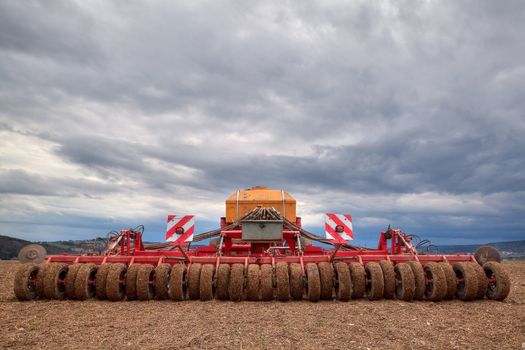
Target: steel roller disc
[
  {"x": 487, "y": 253},
  {"x": 34, "y": 253}
]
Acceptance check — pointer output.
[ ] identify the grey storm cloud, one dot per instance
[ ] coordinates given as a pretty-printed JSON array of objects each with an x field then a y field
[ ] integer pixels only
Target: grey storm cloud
[
  {"x": 21, "y": 182},
  {"x": 402, "y": 112}
]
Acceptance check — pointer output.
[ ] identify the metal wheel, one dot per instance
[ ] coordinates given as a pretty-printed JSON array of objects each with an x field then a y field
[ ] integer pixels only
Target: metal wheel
[
  {"x": 435, "y": 282},
  {"x": 162, "y": 279},
  {"x": 419, "y": 276},
  {"x": 343, "y": 289},
  {"x": 326, "y": 275},
  {"x": 85, "y": 282},
  {"x": 131, "y": 281},
  {"x": 296, "y": 281},
  {"x": 405, "y": 282},
  {"x": 32, "y": 253},
  {"x": 482, "y": 280},
  {"x": 450, "y": 277},
  {"x": 25, "y": 277},
  {"x": 499, "y": 281},
  {"x": 266, "y": 282},
  {"x": 375, "y": 282},
  {"x": 39, "y": 281},
  {"x": 206, "y": 282},
  {"x": 252, "y": 283},
  {"x": 116, "y": 282},
  {"x": 146, "y": 282},
  {"x": 70, "y": 280},
  {"x": 223, "y": 282},
  {"x": 54, "y": 287},
  {"x": 283, "y": 281},
  {"x": 389, "y": 276},
  {"x": 313, "y": 285},
  {"x": 194, "y": 281},
  {"x": 467, "y": 278},
  {"x": 236, "y": 282},
  {"x": 100, "y": 281},
  {"x": 358, "y": 275},
  {"x": 177, "y": 289},
  {"x": 487, "y": 253}
]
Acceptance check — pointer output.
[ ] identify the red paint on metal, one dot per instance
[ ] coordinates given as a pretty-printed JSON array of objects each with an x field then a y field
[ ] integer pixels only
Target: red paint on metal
[
  {"x": 346, "y": 229},
  {"x": 131, "y": 250},
  {"x": 183, "y": 221},
  {"x": 334, "y": 234}
]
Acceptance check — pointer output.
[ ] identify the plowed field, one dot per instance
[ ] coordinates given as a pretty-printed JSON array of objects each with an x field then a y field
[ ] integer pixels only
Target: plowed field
[{"x": 386, "y": 324}]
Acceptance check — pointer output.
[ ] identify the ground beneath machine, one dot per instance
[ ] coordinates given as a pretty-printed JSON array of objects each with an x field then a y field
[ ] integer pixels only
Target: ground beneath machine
[{"x": 358, "y": 324}]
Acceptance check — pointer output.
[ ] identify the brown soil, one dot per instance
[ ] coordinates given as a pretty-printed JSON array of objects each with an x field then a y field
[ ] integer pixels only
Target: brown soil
[{"x": 359, "y": 324}]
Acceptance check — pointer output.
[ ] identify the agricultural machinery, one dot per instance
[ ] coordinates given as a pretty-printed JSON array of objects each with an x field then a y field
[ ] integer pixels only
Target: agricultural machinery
[{"x": 261, "y": 252}]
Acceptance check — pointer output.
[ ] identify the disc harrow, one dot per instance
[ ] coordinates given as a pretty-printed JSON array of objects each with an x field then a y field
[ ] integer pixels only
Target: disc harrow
[
  {"x": 264, "y": 282},
  {"x": 261, "y": 254}
]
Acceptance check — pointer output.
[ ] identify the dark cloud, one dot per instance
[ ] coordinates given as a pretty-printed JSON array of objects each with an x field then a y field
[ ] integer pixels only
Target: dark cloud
[
  {"x": 23, "y": 183},
  {"x": 399, "y": 112},
  {"x": 49, "y": 30}
]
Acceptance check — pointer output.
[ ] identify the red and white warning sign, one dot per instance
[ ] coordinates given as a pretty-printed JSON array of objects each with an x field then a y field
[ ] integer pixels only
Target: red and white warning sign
[
  {"x": 339, "y": 227},
  {"x": 180, "y": 228}
]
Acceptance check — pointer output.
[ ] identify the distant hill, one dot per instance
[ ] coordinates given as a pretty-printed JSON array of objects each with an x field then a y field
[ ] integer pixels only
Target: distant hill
[
  {"x": 10, "y": 246},
  {"x": 509, "y": 250}
]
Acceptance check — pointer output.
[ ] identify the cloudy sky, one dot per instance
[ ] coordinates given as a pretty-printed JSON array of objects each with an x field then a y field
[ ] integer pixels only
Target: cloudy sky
[{"x": 114, "y": 114}]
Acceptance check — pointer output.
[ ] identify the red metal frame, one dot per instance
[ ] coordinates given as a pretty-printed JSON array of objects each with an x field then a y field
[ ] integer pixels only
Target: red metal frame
[{"x": 129, "y": 249}]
